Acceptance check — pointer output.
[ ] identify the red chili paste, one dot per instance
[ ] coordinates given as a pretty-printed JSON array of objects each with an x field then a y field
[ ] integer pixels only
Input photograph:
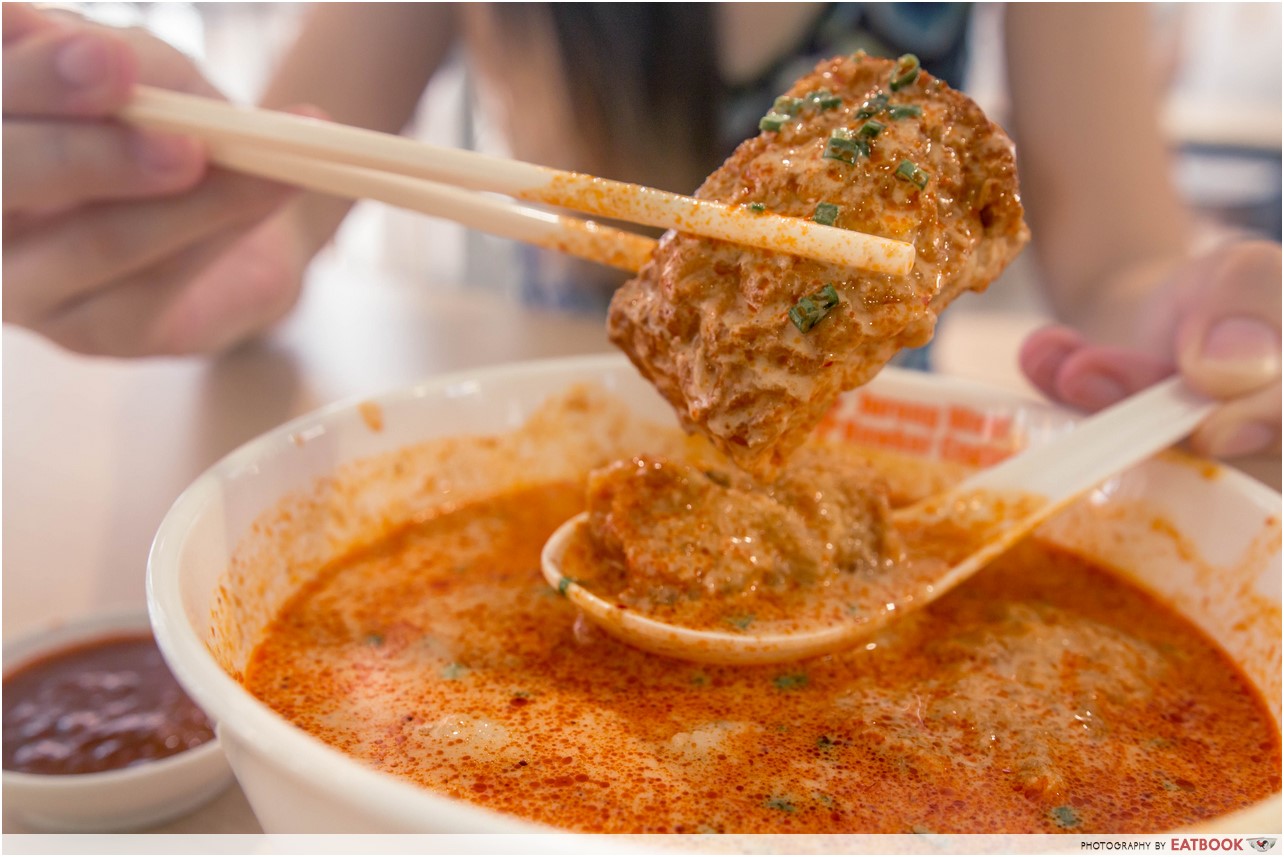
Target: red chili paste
[{"x": 99, "y": 706}]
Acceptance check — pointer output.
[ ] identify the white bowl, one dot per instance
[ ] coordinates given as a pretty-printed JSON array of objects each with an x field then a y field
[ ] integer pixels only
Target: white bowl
[
  {"x": 110, "y": 801},
  {"x": 297, "y": 784}
]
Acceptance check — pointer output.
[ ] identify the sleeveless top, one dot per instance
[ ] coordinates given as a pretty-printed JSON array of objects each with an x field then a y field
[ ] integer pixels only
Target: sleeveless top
[{"x": 935, "y": 32}]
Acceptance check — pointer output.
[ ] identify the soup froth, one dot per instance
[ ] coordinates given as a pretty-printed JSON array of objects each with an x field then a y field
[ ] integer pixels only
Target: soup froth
[{"x": 1044, "y": 695}]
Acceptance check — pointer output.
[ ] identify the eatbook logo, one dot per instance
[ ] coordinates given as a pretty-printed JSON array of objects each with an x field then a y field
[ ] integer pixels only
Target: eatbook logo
[{"x": 1262, "y": 845}]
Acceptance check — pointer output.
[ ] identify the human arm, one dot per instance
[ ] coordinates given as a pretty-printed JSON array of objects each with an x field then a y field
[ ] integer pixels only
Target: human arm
[
  {"x": 363, "y": 64},
  {"x": 1116, "y": 244}
]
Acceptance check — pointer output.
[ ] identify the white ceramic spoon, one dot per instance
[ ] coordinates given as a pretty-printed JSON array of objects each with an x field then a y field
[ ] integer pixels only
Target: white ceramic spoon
[{"x": 1046, "y": 478}]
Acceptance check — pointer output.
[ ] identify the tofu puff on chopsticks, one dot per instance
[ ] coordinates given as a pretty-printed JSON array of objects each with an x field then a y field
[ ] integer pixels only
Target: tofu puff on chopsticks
[{"x": 751, "y": 347}]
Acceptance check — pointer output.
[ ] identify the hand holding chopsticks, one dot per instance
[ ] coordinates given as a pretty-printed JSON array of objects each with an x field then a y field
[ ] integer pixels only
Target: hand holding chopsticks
[{"x": 358, "y": 163}]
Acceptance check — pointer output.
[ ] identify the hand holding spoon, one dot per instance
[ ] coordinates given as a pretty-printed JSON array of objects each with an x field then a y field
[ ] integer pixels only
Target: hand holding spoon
[{"x": 948, "y": 537}]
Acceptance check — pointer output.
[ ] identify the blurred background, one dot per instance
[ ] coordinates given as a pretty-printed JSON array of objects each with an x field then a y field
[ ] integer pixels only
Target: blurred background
[{"x": 1223, "y": 114}]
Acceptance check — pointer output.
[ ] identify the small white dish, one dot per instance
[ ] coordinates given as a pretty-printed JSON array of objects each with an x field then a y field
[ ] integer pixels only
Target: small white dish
[{"x": 128, "y": 799}]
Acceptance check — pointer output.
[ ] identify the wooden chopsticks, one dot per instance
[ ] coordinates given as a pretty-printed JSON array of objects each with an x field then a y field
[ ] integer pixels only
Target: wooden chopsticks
[{"x": 358, "y": 163}]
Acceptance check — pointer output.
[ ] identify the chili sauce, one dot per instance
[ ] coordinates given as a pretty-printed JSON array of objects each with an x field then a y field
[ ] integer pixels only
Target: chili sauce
[{"x": 99, "y": 706}]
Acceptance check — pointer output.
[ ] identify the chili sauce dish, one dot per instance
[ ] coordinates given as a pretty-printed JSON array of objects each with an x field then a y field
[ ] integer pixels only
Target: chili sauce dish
[
  {"x": 358, "y": 602},
  {"x": 99, "y": 737}
]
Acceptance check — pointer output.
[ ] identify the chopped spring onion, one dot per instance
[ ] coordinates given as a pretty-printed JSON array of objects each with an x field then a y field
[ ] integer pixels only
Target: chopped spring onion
[
  {"x": 782, "y": 110},
  {"x": 826, "y": 213},
  {"x": 784, "y": 804},
  {"x": 904, "y": 111},
  {"x": 791, "y": 681},
  {"x": 841, "y": 147},
  {"x": 1065, "y": 816},
  {"x": 786, "y": 105},
  {"x": 905, "y": 73},
  {"x": 808, "y": 312},
  {"x": 823, "y": 99},
  {"x": 757, "y": 207},
  {"x": 773, "y": 121},
  {"x": 871, "y": 129},
  {"x": 872, "y": 107},
  {"x": 911, "y": 173}
]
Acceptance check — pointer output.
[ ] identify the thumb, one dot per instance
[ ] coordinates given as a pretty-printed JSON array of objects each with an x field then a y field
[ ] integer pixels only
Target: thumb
[{"x": 1228, "y": 336}]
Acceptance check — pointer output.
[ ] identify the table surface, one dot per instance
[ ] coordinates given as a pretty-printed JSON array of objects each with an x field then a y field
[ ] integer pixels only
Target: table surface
[{"x": 96, "y": 450}]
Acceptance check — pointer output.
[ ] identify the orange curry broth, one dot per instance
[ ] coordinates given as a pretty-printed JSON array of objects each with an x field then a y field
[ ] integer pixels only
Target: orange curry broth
[{"x": 1043, "y": 695}]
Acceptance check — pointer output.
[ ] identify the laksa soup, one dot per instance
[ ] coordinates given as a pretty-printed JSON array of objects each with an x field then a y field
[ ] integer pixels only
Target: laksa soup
[{"x": 1050, "y": 693}]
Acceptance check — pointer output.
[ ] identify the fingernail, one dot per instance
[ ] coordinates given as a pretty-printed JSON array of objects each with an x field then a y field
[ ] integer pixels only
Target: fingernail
[
  {"x": 163, "y": 153},
  {"x": 1246, "y": 345},
  {"x": 1044, "y": 352},
  {"x": 1094, "y": 391},
  {"x": 83, "y": 62},
  {"x": 1243, "y": 439}
]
